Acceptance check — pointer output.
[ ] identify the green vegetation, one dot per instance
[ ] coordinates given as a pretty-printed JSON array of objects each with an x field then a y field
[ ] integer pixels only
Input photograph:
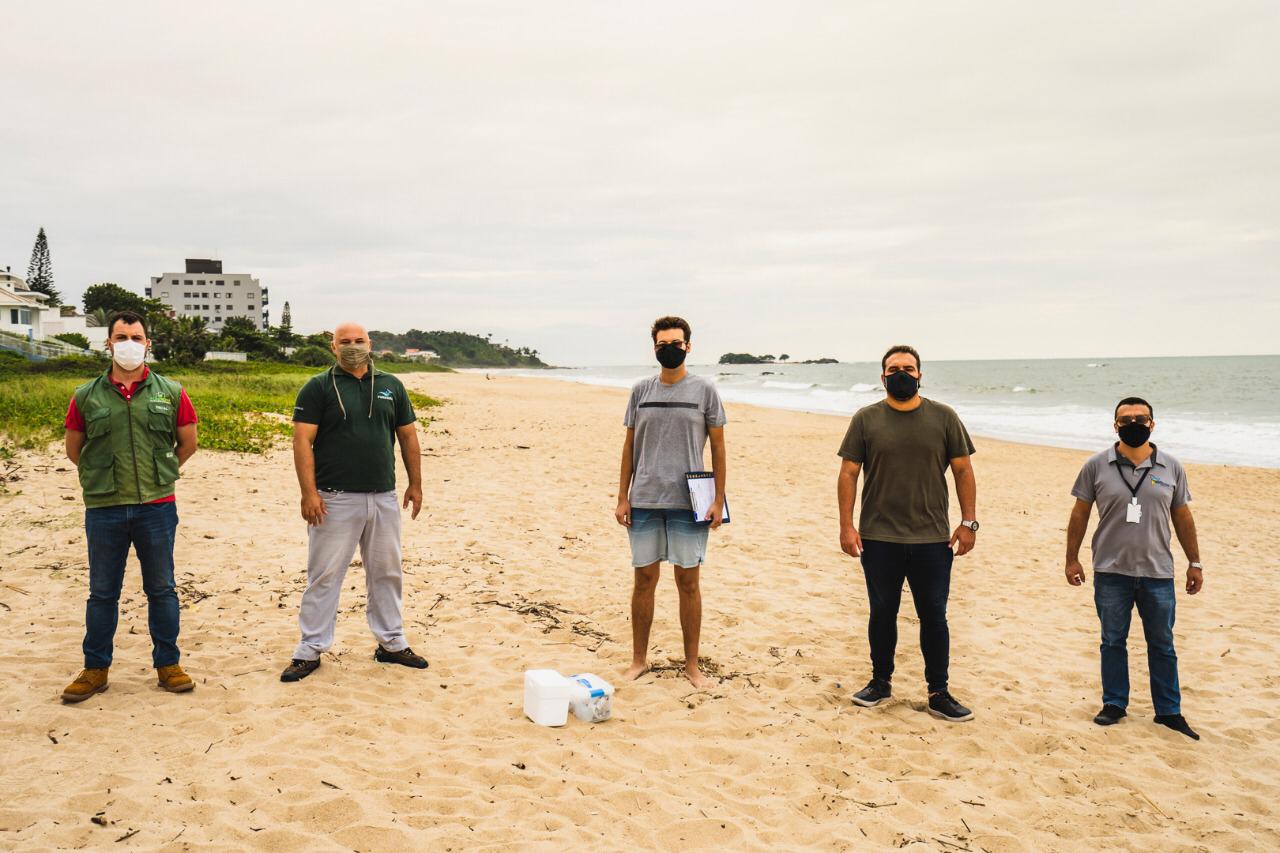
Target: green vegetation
[
  {"x": 40, "y": 270},
  {"x": 458, "y": 349},
  {"x": 109, "y": 297},
  {"x": 243, "y": 406},
  {"x": 74, "y": 338},
  {"x": 745, "y": 358},
  {"x": 185, "y": 340},
  {"x": 312, "y": 356}
]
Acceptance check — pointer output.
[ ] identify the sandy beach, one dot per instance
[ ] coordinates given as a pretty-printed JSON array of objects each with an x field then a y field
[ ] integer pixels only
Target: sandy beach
[{"x": 517, "y": 562}]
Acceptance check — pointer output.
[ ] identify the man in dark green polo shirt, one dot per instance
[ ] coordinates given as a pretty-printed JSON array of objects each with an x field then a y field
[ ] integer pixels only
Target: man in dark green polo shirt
[{"x": 345, "y": 425}]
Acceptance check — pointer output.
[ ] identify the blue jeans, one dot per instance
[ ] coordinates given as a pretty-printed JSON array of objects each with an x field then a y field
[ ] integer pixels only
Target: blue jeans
[
  {"x": 150, "y": 528},
  {"x": 1115, "y": 596},
  {"x": 927, "y": 568}
]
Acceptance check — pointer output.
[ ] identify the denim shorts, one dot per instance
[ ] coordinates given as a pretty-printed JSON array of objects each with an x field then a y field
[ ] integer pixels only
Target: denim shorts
[{"x": 672, "y": 535}]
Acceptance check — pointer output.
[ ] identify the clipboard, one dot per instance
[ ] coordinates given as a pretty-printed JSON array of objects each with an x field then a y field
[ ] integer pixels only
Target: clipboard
[{"x": 702, "y": 493}]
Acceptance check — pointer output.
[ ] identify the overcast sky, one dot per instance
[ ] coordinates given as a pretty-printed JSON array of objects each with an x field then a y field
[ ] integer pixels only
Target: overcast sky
[{"x": 983, "y": 180}]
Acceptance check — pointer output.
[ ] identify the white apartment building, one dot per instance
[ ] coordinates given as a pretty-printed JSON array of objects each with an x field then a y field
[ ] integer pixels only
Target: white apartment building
[{"x": 204, "y": 290}]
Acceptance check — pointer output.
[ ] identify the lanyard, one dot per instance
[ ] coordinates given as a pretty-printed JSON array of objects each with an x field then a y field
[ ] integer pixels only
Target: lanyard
[{"x": 1133, "y": 490}]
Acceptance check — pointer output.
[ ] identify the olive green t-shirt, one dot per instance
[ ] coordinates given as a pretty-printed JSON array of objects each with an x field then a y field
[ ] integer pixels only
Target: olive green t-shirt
[
  {"x": 904, "y": 458},
  {"x": 355, "y": 450}
]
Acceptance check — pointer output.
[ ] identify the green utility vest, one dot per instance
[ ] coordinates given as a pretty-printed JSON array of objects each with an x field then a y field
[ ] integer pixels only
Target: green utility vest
[{"x": 128, "y": 455}]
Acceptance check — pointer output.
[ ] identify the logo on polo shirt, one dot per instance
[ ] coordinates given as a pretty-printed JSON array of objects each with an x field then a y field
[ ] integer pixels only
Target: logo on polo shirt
[{"x": 386, "y": 394}]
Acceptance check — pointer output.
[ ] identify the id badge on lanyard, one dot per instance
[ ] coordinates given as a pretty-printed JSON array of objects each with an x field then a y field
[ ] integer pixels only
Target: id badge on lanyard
[{"x": 1133, "y": 512}]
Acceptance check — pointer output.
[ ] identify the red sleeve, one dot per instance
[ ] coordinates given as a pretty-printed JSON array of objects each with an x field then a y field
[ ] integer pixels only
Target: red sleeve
[
  {"x": 75, "y": 420},
  {"x": 186, "y": 411}
]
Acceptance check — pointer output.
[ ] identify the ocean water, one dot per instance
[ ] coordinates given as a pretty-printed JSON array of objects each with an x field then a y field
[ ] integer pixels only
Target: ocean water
[{"x": 1208, "y": 409}]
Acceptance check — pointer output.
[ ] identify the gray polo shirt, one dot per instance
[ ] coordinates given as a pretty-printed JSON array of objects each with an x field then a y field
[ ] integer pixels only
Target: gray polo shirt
[{"x": 1138, "y": 550}]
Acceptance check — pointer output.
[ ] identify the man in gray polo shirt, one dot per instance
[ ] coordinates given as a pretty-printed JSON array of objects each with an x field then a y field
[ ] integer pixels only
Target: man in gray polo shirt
[{"x": 1139, "y": 491}]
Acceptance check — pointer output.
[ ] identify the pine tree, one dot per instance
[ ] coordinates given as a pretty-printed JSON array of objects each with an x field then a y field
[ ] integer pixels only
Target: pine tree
[
  {"x": 40, "y": 270},
  {"x": 284, "y": 332}
]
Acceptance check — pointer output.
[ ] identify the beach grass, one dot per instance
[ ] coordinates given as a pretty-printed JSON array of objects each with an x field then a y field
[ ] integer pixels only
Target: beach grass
[{"x": 243, "y": 407}]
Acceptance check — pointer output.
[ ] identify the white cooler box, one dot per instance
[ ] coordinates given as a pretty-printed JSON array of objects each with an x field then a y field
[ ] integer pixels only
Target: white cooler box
[{"x": 546, "y": 697}]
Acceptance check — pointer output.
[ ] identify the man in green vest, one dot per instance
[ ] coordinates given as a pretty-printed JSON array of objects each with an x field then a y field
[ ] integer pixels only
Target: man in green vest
[{"x": 127, "y": 432}]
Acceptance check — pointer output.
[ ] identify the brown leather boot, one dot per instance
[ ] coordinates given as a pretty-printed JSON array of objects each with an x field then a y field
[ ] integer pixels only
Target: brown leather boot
[
  {"x": 173, "y": 679},
  {"x": 87, "y": 683}
]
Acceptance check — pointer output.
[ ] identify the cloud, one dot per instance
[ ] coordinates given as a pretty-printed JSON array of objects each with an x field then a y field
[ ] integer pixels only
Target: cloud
[{"x": 822, "y": 179}]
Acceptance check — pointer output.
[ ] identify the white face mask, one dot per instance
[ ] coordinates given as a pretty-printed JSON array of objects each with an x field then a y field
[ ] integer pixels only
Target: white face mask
[{"x": 128, "y": 354}]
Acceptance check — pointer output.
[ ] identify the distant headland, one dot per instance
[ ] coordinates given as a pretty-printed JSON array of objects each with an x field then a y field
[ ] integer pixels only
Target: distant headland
[{"x": 748, "y": 358}]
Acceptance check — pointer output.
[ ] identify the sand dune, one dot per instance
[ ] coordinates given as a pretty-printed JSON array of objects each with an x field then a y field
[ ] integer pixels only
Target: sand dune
[{"x": 516, "y": 562}]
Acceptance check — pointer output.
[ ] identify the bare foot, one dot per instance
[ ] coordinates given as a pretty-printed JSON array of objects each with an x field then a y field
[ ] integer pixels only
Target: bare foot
[
  {"x": 635, "y": 671},
  {"x": 697, "y": 679}
]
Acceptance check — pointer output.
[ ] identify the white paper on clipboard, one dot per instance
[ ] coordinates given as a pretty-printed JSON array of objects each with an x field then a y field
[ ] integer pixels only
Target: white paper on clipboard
[{"x": 702, "y": 494}]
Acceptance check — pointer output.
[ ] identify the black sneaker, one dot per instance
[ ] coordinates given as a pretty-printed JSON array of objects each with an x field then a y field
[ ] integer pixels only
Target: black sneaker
[
  {"x": 404, "y": 657},
  {"x": 944, "y": 706},
  {"x": 873, "y": 694},
  {"x": 1178, "y": 723},
  {"x": 299, "y": 669},
  {"x": 1110, "y": 715}
]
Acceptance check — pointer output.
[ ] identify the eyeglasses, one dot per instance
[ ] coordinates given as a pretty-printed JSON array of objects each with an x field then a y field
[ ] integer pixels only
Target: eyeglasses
[{"x": 1140, "y": 420}]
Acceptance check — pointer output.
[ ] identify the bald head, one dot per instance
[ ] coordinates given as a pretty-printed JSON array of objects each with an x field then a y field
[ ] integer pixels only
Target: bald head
[{"x": 350, "y": 333}]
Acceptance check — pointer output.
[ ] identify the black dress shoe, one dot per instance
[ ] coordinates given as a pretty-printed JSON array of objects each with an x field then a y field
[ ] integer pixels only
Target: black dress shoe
[
  {"x": 404, "y": 657},
  {"x": 1110, "y": 715},
  {"x": 1178, "y": 723},
  {"x": 299, "y": 669}
]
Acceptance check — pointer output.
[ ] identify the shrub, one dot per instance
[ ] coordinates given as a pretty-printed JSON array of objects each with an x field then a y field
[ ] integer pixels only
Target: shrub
[
  {"x": 312, "y": 356},
  {"x": 74, "y": 338}
]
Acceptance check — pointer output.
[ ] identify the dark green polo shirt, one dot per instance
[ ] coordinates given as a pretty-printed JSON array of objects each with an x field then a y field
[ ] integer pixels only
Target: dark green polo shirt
[{"x": 355, "y": 451}]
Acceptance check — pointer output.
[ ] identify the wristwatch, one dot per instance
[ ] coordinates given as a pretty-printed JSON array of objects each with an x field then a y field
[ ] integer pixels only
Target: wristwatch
[
  {"x": 1195, "y": 566},
  {"x": 972, "y": 525}
]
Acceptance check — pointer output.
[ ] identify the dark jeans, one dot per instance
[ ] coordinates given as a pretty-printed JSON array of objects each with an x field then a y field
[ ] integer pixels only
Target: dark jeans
[
  {"x": 150, "y": 528},
  {"x": 1115, "y": 597},
  {"x": 927, "y": 568}
]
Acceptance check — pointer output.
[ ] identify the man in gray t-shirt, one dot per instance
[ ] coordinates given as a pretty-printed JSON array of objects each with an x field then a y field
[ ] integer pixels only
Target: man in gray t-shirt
[
  {"x": 1139, "y": 491},
  {"x": 670, "y": 419}
]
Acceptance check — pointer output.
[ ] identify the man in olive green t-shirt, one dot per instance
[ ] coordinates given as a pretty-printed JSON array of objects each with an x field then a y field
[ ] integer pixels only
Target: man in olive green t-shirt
[
  {"x": 345, "y": 426},
  {"x": 903, "y": 447}
]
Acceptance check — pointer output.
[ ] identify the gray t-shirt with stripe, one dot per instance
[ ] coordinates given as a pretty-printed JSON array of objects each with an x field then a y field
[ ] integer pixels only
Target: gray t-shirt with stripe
[{"x": 671, "y": 424}]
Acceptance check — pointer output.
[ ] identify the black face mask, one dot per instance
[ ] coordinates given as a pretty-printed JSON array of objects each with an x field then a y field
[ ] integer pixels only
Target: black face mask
[
  {"x": 1134, "y": 435},
  {"x": 670, "y": 356},
  {"x": 902, "y": 386}
]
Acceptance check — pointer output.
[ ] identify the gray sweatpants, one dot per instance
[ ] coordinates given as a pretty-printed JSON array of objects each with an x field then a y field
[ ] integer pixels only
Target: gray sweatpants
[{"x": 372, "y": 520}]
